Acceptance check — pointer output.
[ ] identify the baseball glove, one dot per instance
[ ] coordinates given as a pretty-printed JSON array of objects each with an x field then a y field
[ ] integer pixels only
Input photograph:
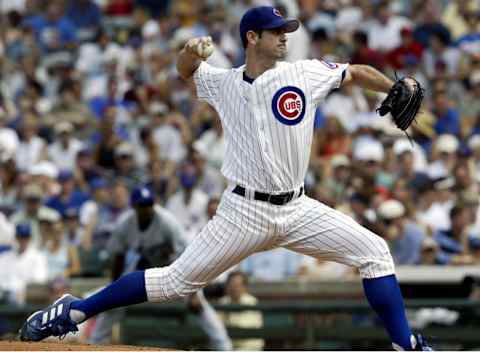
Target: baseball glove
[{"x": 403, "y": 102}]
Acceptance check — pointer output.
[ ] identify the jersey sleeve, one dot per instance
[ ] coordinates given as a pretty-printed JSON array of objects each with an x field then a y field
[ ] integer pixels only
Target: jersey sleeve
[
  {"x": 208, "y": 81},
  {"x": 322, "y": 77}
]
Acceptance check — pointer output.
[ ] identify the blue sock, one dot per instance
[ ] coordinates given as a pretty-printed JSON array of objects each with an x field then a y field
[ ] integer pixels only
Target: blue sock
[
  {"x": 127, "y": 290},
  {"x": 385, "y": 298}
]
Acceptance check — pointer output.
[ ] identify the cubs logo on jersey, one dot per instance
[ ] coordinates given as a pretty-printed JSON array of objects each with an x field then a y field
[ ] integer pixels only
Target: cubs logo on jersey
[{"x": 288, "y": 105}]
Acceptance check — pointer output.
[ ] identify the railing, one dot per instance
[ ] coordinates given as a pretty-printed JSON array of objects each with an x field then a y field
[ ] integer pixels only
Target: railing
[{"x": 333, "y": 324}]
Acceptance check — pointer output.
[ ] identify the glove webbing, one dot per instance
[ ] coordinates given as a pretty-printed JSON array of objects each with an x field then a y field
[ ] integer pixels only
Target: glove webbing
[{"x": 414, "y": 106}]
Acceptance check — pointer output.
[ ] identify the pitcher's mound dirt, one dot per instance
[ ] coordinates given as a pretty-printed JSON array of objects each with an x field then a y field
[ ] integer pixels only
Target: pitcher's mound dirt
[{"x": 59, "y": 346}]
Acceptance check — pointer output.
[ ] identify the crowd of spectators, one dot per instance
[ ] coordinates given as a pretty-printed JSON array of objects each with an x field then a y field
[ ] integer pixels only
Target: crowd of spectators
[{"x": 91, "y": 105}]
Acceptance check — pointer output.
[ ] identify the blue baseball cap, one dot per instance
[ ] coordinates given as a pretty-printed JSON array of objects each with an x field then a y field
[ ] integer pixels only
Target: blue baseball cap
[
  {"x": 141, "y": 196},
  {"x": 65, "y": 175},
  {"x": 97, "y": 183},
  {"x": 265, "y": 17},
  {"x": 23, "y": 230}
]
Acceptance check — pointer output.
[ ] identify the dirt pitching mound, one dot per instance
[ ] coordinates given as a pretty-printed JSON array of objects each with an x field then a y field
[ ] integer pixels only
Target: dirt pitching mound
[{"x": 59, "y": 346}]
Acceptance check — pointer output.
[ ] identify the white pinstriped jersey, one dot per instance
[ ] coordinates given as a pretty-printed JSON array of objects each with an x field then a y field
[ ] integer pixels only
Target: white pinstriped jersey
[{"x": 268, "y": 124}]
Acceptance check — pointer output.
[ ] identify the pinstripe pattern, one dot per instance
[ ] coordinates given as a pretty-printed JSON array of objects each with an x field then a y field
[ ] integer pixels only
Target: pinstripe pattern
[
  {"x": 243, "y": 227},
  {"x": 240, "y": 228},
  {"x": 317, "y": 230},
  {"x": 262, "y": 153},
  {"x": 265, "y": 153}
]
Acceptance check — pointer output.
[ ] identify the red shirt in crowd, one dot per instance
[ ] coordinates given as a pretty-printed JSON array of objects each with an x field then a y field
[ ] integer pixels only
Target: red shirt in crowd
[
  {"x": 396, "y": 57},
  {"x": 119, "y": 8}
]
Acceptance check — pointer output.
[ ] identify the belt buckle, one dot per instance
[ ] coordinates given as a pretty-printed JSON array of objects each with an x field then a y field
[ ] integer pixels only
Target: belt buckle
[
  {"x": 280, "y": 199},
  {"x": 269, "y": 198},
  {"x": 285, "y": 198},
  {"x": 289, "y": 197}
]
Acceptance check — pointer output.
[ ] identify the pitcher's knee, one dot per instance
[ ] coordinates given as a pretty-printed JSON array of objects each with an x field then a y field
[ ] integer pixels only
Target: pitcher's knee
[
  {"x": 165, "y": 284},
  {"x": 379, "y": 262}
]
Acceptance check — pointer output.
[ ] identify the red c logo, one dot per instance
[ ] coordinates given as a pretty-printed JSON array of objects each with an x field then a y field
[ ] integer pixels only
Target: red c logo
[{"x": 290, "y": 105}]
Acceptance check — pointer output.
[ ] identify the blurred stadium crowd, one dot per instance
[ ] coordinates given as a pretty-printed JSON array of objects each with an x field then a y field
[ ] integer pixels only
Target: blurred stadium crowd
[{"x": 91, "y": 106}]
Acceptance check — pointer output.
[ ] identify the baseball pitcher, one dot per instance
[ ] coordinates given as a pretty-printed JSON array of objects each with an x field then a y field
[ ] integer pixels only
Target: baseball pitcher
[{"x": 267, "y": 110}]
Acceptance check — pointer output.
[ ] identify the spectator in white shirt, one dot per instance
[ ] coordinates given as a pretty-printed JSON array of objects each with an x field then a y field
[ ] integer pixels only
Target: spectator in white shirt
[
  {"x": 166, "y": 136},
  {"x": 31, "y": 210},
  {"x": 32, "y": 148},
  {"x": 189, "y": 204},
  {"x": 237, "y": 293},
  {"x": 211, "y": 144},
  {"x": 8, "y": 137},
  {"x": 7, "y": 232},
  {"x": 21, "y": 266},
  {"x": 64, "y": 150},
  {"x": 210, "y": 179},
  {"x": 384, "y": 30}
]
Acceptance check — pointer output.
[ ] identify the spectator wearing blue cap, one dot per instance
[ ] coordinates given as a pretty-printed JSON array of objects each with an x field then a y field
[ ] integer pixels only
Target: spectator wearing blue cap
[
  {"x": 22, "y": 266},
  {"x": 86, "y": 16},
  {"x": 69, "y": 196}
]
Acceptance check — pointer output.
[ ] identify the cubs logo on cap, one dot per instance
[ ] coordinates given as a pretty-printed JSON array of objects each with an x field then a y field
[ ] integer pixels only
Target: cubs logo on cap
[
  {"x": 265, "y": 17},
  {"x": 288, "y": 105}
]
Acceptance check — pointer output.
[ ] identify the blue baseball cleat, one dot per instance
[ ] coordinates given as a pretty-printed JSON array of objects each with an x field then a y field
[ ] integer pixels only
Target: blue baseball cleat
[
  {"x": 421, "y": 344},
  {"x": 51, "y": 321},
  {"x": 417, "y": 342}
]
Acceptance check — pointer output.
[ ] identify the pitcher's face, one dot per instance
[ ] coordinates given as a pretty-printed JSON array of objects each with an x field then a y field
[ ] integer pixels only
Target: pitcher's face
[{"x": 272, "y": 43}]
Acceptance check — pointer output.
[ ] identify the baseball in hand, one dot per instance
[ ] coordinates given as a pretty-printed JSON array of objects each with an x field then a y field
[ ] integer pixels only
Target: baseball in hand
[
  {"x": 206, "y": 50},
  {"x": 203, "y": 47}
]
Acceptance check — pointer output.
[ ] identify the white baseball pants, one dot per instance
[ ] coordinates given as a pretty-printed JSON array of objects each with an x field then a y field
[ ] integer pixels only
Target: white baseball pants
[{"x": 244, "y": 226}]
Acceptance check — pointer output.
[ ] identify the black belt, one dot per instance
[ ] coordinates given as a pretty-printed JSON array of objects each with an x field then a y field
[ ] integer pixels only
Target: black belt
[{"x": 276, "y": 199}]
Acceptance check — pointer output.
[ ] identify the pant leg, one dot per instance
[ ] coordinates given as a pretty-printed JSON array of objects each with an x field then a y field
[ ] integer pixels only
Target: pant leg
[
  {"x": 324, "y": 233},
  {"x": 212, "y": 325},
  {"x": 239, "y": 228}
]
